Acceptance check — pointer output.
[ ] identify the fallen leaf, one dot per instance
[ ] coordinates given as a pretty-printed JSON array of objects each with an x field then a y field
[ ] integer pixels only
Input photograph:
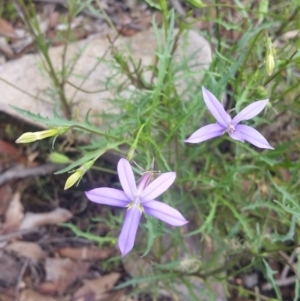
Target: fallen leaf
[
  {"x": 292, "y": 34},
  {"x": 9, "y": 154},
  {"x": 9, "y": 269},
  {"x": 4, "y": 297},
  {"x": 14, "y": 214},
  {"x": 57, "y": 216},
  {"x": 116, "y": 296},
  {"x": 86, "y": 253},
  {"x": 285, "y": 174},
  {"x": 53, "y": 19},
  {"x": 96, "y": 289},
  {"x": 61, "y": 273},
  {"x": 5, "y": 48},
  {"x": 27, "y": 249},
  {"x": 6, "y": 29},
  {"x": 31, "y": 295},
  {"x": 6, "y": 195}
]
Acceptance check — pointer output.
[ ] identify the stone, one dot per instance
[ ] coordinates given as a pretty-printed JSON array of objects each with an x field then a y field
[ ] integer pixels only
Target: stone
[{"x": 24, "y": 82}]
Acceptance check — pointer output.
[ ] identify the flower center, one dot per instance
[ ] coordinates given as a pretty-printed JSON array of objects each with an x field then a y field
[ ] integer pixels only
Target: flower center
[
  {"x": 135, "y": 204},
  {"x": 230, "y": 129}
]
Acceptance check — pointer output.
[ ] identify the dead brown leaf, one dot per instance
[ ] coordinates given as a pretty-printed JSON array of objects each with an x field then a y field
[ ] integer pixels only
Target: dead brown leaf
[
  {"x": 292, "y": 34},
  {"x": 5, "y": 48},
  {"x": 27, "y": 249},
  {"x": 9, "y": 270},
  {"x": 53, "y": 19},
  {"x": 86, "y": 253},
  {"x": 6, "y": 29},
  {"x": 31, "y": 295},
  {"x": 6, "y": 195},
  {"x": 116, "y": 296},
  {"x": 96, "y": 289},
  {"x": 58, "y": 215},
  {"x": 14, "y": 214},
  {"x": 61, "y": 273},
  {"x": 4, "y": 297}
]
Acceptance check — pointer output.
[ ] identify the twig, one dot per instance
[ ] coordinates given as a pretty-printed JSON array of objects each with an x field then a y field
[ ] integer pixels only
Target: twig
[
  {"x": 20, "y": 172},
  {"x": 279, "y": 282},
  {"x": 289, "y": 261}
]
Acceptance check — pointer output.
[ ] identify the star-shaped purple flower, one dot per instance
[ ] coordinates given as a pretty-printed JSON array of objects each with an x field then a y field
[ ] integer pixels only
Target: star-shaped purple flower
[
  {"x": 137, "y": 200},
  {"x": 233, "y": 127}
]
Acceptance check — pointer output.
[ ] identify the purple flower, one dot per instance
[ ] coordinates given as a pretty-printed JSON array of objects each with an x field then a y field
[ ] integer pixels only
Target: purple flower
[
  {"x": 137, "y": 200},
  {"x": 233, "y": 127}
]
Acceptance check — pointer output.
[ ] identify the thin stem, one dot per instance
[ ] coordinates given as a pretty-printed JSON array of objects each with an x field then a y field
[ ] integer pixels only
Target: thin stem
[
  {"x": 94, "y": 132},
  {"x": 23, "y": 91},
  {"x": 39, "y": 41},
  {"x": 218, "y": 33}
]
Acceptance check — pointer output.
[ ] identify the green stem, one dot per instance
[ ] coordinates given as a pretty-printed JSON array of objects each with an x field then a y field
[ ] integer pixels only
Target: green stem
[
  {"x": 92, "y": 131},
  {"x": 23, "y": 91},
  {"x": 33, "y": 24},
  {"x": 218, "y": 33}
]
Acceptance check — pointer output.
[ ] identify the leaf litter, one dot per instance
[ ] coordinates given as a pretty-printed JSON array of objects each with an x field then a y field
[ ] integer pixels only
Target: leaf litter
[{"x": 39, "y": 260}]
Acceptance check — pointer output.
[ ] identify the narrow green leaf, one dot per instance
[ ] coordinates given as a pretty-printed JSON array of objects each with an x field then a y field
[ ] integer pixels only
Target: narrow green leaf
[
  {"x": 153, "y": 4},
  {"x": 196, "y": 3},
  {"x": 154, "y": 230}
]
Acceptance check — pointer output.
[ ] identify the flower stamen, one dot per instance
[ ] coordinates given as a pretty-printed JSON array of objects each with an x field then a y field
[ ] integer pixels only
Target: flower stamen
[{"x": 230, "y": 129}]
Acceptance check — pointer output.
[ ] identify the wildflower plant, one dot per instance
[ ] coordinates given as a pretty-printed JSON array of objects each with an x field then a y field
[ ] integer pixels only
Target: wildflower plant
[
  {"x": 233, "y": 127},
  {"x": 226, "y": 190},
  {"x": 137, "y": 200}
]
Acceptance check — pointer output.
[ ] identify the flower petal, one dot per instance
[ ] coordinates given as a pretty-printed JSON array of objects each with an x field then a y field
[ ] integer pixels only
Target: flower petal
[
  {"x": 215, "y": 108},
  {"x": 126, "y": 178},
  {"x": 165, "y": 213},
  {"x": 250, "y": 111},
  {"x": 206, "y": 132},
  {"x": 129, "y": 229},
  {"x": 157, "y": 187},
  {"x": 237, "y": 136},
  {"x": 108, "y": 196},
  {"x": 253, "y": 136}
]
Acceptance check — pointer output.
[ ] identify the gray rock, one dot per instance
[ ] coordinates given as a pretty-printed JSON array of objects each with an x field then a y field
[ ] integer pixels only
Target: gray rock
[{"x": 27, "y": 85}]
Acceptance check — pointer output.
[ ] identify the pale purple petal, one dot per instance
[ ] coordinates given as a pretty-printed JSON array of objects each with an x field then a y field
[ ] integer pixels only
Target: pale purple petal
[
  {"x": 129, "y": 229},
  {"x": 206, "y": 132},
  {"x": 157, "y": 187},
  {"x": 165, "y": 213},
  {"x": 108, "y": 196},
  {"x": 253, "y": 136},
  {"x": 126, "y": 178},
  {"x": 215, "y": 107},
  {"x": 250, "y": 111},
  {"x": 237, "y": 136},
  {"x": 144, "y": 181}
]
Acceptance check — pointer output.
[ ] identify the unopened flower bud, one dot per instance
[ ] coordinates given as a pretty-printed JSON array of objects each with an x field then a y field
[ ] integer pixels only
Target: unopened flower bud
[
  {"x": 263, "y": 8},
  {"x": 55, "y": 157},
  {"x": 78, "y": 174},
  {"x": 33, "y": 136},
  {"x": 270, "y": 59}
]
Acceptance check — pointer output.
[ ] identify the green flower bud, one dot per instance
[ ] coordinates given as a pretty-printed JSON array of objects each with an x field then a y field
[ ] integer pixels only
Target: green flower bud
[
  {"x": 270, "y": 59},
  {"x": 78, "y": 174},
  {"x": 31, "y": 137},
  {"x": 55, "y": 157}
]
